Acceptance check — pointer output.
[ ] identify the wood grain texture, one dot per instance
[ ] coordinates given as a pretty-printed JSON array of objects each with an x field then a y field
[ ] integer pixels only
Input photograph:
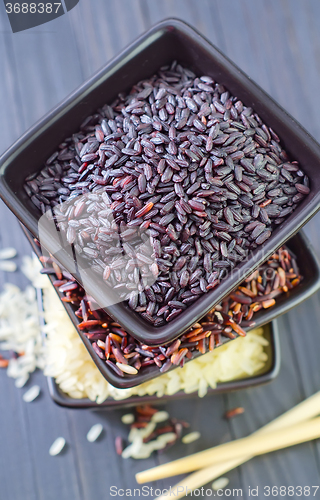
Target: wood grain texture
[{"x": 277, "y": 42}]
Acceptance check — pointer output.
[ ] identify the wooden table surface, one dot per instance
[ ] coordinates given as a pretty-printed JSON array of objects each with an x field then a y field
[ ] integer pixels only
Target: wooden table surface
[{"x": 277, "y": 43}]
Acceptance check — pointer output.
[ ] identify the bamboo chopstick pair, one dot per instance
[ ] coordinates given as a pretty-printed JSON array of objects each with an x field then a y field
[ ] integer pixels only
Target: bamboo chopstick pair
[{"x": 287, "y": 430}]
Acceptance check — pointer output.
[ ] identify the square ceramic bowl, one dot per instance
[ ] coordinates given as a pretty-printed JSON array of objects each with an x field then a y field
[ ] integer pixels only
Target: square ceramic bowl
[
  {"x": 309, "y": 269},
  {"x": 268, "y": 373},
  {"x": 167, "y": 41}
]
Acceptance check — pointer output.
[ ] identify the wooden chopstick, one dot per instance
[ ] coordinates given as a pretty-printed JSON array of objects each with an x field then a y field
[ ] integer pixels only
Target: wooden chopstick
[
  {"x": 201, "y": 477},
  {"x": 253, "y": 445},
  {"x": 300, "y": 413}
]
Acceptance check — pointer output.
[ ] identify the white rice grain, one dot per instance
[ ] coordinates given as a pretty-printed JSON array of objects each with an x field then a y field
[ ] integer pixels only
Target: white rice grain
[
  {"x": 94, "y": 432},
  {"x": 144, "y": 451},
  {"x": 21, "y": 381},
  {"x": 19, "y": 322},
  {"x": 31, "y": 394},
  {"x": 7, "y": 265},
  {"x": 166, "y": 438},
  {"x": 133, "y": 448},
  {"x": 127, "y": 419},
  {"x": 220, "y": 483},
  {"x": 192, "y": 436},
  {"x": 160, "y": 416},
  {"x": 7, "y": 253},
  {"x": 131, "y": 370},
  {"x": 57, "y": 446}
]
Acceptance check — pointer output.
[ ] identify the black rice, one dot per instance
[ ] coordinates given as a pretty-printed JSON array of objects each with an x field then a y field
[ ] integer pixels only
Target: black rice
[{"x": 175, "y": 170}]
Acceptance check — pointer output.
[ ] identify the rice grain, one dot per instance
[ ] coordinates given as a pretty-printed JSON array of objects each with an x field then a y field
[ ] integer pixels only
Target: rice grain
[
  {"x": 57, "y": 446},
  {"x": 94, "y": 432}
]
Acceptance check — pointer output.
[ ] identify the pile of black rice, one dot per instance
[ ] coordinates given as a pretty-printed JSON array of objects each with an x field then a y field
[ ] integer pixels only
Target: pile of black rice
[{"x": 178, "y": 163}]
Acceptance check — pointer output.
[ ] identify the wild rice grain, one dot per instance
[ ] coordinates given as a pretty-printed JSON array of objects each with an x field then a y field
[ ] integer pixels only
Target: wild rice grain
[
  {"x": 119, "y": 445},
  {"x": 234, "y": 412}
]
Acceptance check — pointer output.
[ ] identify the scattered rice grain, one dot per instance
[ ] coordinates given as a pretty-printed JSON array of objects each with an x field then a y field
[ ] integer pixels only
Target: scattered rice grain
[
  {"x": 57, "y": 446},
  {"x": 94, "y": 432},
  {"x": 127, "y": 419},
  {"x": 7, "y": 253},
  {"x": 220, "y": 483},
  {"x": 189, "y": 438},
  {"x": 160, "y": 416},
  {"x": 8, "y": 266},
  {"x": 31, "y": 394}
]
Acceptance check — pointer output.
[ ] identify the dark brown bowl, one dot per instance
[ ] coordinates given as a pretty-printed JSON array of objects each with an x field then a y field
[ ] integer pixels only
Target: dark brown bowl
[
  {"x": 309, "y": 269},
  {"x": 268, "y": 373},
  {"x": 168, "y": 40}
]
